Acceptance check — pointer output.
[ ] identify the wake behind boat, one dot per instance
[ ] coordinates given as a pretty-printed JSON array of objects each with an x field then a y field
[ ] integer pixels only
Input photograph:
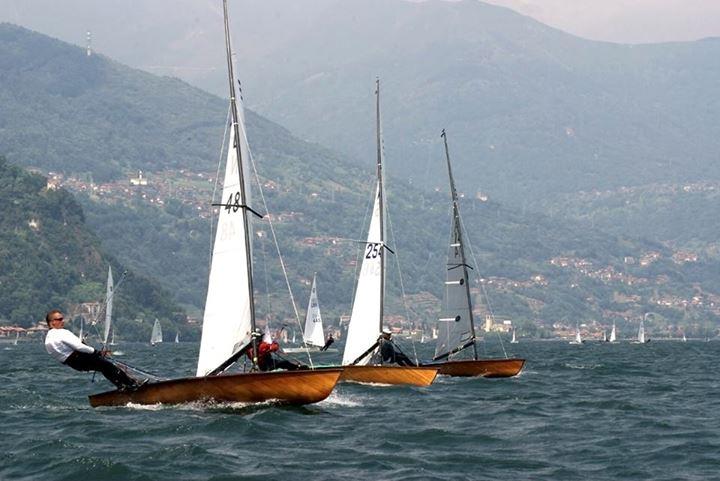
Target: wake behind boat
[{"x": 229, "y": 317}]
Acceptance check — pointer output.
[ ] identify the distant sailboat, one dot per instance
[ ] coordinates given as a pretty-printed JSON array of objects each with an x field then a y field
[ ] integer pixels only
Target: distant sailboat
[
  {"x": 684, "y": 339},
  {"x": 109, "y": 294},
  {"x": 613, "y": 334},
  {"x": 177, "y": 337},
  {"x": 456, "y": 326},
  {"x": 229, "y": 314},
  {"x": 513, "y": 340},
  {"x": 17, "y": 337},
  {"x": 604, "y": 336},
  {"x": 578, "y": 339},
  {"x": 641, "y": 339},
  {"x": 156, "y": 337},
  {"x": 313, "y": 334},
  {"x": 82, "y": 325}
]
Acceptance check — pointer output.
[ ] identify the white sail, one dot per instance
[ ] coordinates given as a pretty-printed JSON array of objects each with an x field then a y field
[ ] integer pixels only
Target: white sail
[
  {"x": 227, "y": 318},
  {"x": 108, "y": 306},
  {"x": 82, "y": 323},
  {"x": 177, "y": 337},
  {"x": 17, "y": 337},
  {"x": 514, "y": 340},
  {"x": 578, "y": 338},
  {"x": 365, "y": 323},
  {"x": 684, "y": 339},
  {"x": 313, "y": 334},
  {"x": 613, "y": 336},
  {"x": 156, "y": 336},
  {"x": 641, "y": 332}
]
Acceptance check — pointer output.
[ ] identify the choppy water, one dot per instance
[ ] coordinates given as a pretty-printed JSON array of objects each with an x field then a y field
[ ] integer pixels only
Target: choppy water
[{"x": 595, "y": 412}]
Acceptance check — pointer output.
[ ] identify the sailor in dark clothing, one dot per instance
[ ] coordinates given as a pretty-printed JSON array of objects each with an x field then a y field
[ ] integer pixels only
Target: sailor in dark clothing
[
  {"x": 328, "y": 343},
  {"x": 390, "y": 353}
]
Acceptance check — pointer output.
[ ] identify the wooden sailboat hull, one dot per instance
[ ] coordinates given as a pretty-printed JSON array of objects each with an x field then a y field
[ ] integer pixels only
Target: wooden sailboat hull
[
  {"x": 482, "y": 368},
  {"x": 410, "y": 375},
  {"x": 287, "y": 387}
]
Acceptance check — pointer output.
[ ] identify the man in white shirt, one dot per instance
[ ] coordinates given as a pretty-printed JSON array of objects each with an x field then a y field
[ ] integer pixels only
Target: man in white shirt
[{"x": 67, "y": 348}]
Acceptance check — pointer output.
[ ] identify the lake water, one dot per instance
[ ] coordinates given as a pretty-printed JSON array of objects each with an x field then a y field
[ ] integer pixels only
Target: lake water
[{"x": 590, "y": 412}]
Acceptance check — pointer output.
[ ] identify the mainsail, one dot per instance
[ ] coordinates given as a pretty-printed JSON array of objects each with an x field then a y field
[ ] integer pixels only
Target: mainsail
[
  {"x": 613, "y": 334},
  {"x": 313, "y": 334},
  {"x": 108, "y": 306},
  {"x": 456, "y": 330},
  {"x": 367, "y": 312},
  {"x": 156, "y": 337},
  {"x": 229, "y": 310},
  {"x": 641, "y": 332}
]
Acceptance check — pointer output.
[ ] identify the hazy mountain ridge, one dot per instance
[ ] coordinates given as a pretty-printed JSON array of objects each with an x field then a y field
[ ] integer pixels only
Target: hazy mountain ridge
[{"x": 323, "y": 196}]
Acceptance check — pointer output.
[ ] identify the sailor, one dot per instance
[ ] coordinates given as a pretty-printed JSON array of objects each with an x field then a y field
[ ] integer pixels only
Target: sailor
[
  {"x": 67, "y": 348},
  {"x": 328, "y": 343},
  {"x": 390, "y": 353},
  {"x": 266, "y": 346}
]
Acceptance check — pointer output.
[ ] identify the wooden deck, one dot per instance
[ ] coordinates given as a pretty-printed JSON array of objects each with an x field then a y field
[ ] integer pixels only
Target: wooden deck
[{"x": 414, "y": 376}]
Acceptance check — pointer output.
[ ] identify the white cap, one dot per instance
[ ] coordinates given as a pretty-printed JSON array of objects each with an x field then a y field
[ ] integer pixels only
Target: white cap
[{"x": 386, "y": 331}]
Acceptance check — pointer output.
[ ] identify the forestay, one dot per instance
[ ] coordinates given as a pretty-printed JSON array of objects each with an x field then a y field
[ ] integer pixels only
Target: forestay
[
  {"x": 365, "y": 318},
  {"x": 313, "y": 334}
]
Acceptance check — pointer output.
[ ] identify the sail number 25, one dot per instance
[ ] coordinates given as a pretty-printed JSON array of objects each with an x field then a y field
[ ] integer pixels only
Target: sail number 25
[{"x": 372, "y": 250}]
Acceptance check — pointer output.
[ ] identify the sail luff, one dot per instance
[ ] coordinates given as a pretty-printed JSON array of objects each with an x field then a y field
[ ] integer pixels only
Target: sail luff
[{"x": 381, "y": 200}]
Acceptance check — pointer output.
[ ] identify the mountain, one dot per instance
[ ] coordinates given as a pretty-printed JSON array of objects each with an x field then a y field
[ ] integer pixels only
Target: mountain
[
  {"x": 535, "y": 269},
  {"x": 50, "y": 258},
  {"x": 534, "y": 111}
]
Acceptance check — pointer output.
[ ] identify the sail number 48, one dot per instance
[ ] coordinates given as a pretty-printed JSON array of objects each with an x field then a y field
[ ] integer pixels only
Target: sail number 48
[
  {"x": 372, "y": 250},
  {"x": 233, "y": 202}
]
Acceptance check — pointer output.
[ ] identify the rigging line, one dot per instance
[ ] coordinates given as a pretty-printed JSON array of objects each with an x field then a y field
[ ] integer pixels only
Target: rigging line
[
  {"x": 277, "y": 245},
  {"x": 215, "y": 184},
  {"x": 402, "y": 284},
  {"x": 484, "y": 291}
]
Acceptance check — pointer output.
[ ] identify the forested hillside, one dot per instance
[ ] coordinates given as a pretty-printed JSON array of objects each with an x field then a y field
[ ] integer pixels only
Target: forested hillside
[{"x": 49, "y": 258}]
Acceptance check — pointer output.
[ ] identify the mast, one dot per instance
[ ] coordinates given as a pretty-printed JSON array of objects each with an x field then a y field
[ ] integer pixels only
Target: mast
[
  {"x": 381, "y": 200},
  {"x": 241, "y": 174},
  {"x": 458, "y": 237}
]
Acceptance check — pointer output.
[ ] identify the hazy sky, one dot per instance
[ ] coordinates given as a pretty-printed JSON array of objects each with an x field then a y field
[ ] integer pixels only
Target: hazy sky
[{"x": 631, "y": 21}]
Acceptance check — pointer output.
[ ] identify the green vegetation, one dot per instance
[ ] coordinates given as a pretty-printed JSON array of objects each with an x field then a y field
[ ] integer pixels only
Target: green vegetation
[{"x": 49, "y": 258}]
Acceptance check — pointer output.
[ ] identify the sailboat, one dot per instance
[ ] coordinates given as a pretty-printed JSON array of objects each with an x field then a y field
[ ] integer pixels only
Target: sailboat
[
  {"x": 456, "y": 326},
  {"x": 604, "y": 336},
  {"x": 578, "y": 338},
  {"x": 156, "y": 337},
  {"x": 109, "y": 290},
  {"x": 177, "y": 337},
  {"x": 613, "y": 334},
  {"x": 641, "y": 339},
  {"x": 17, "y": 338},
  {"x": 513, "y": 340},
  {"x": 229, "y": 316},
  {"x": 684, "y": 339},
  {"x": 366, "y": 319},
  {"x": 82, "y": 325},
  {"x": 313, "y": 334}
]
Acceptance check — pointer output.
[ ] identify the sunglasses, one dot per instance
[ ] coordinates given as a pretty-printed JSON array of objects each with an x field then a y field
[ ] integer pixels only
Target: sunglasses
[{"x": 58, "y": 319}]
